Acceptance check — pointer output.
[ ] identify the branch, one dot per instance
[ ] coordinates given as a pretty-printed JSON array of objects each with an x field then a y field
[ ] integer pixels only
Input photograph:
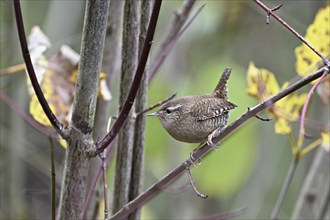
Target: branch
[
  {"x": 155, "y": 105},
  {"x": 171, "y": 176},
  {"x": 170, "y": 41},
  {"x": 93, "y": 187},
  {"x": 27, "y": 59},
  {"x": 314, "y": 194},
  {"x": 271, "y": 12},
  {"x": 26, "y": 117},
  {"x": 285, "y": 187},
  {"x": 304, "y": 110},
  {"x": 104, "y": 143},
  {"x": 178, "y": 21},
  {"x": 110, "y": 64},
  {"x": 105, "y": 185},
  {"x": 137, "y": 163},
  {"x": 52, "y": 179},
  {"x": 74, "y": 179},
  {"x": 91, "y": 53},
  {"x": 129, "y": 63},
  {"x": 297, "y": 154},
  {"x": 192, "y": 183},
  {"x": 226, "y": 215}
]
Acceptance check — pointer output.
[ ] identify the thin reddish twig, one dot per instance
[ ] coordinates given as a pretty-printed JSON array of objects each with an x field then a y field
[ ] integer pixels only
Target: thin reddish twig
[
  {"x": 304, "y": 110},
  {"x": 96, "y": 177},
  {"x": 271, "y": 12},
  {"x": 105, "y": 186},
  {"x": 192, "y": 183}
]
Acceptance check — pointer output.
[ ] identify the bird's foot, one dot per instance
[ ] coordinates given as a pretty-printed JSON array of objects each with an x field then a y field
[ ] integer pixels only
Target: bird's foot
[{"x": 214, "y": 133}]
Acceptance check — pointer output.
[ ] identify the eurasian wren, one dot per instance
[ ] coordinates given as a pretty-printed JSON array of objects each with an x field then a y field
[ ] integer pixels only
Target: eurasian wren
[{"x": 195, "y": 119}]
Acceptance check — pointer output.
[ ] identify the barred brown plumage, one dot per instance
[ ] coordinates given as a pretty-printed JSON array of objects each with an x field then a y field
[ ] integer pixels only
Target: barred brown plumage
[{"x": 195, "y": 119}]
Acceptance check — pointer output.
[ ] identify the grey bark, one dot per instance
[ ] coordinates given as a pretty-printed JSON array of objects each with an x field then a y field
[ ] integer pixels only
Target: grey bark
[
  {"x": 125, "y": 137},
  {"x": 80, "y": 128},
  {"x": 110, "y": 63},
  {"x": 111, "y": 66},
  {"x": 140, "y": 104},
  {"x": 313, "y": 200}
]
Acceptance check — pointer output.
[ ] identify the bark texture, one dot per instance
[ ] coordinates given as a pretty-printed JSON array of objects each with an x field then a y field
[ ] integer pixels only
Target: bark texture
[
  {"x": 111, "y": 66},
  {"x": 80, "y": 128},
  {"x": 125, "y": 138},
  {"x": 139, "y": 129},
  {"x": 313, "y": 198}
]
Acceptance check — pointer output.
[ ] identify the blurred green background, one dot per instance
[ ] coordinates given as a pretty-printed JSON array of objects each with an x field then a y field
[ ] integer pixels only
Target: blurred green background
[{"x": 249, "y": 168}]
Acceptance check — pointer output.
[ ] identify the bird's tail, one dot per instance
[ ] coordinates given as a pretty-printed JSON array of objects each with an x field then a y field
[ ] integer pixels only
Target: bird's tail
[{"x": 220, "y": 90}]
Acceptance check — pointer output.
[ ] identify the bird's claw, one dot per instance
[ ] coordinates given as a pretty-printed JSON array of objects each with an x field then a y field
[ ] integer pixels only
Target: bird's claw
[
  {"x": 192, "y": 160},
  {"x": 210, "y": 142}
]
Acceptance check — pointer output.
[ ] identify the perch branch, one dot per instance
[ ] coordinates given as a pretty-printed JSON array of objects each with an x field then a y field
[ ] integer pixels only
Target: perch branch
[{"x": 175, "y": 173}]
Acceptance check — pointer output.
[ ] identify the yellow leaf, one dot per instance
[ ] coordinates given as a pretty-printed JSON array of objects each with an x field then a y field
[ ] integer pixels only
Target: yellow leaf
[
  {"x": 325, "y": 135},
  {"x": 318, "y": 35},
  {"x": 262, "y": 84},
  {"x": 104, "y": 91},
  {"x": 62, "y": 141},
  {"x": 57, "y": 77},
  {"x": 289, "y": 107},
  {"x": 282, "y": 126}
]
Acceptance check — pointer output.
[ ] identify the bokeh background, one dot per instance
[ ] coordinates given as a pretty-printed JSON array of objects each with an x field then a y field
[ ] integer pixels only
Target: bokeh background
[{"x": 249, "y": 168}]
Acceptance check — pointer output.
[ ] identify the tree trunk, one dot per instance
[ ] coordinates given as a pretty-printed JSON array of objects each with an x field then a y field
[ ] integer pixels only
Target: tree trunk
[
  {"x": 139, "y": 129},
  {"x": 111, "y": 66},
  {"x": 82, "y": 122},
  {"x": 125, "y": 138},
  {"x": 313, "y": 198}
]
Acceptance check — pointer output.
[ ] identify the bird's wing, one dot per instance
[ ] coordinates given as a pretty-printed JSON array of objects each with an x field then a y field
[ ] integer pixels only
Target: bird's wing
[{"x": 211, "y": 108}]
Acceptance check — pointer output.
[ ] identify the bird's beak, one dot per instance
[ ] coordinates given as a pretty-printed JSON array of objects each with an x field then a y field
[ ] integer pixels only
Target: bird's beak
[{"x": 153, "y": 114}]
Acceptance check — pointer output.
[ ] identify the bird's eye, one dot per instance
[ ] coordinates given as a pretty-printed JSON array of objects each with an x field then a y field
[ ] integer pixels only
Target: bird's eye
[{"x": 168, "y": 111}]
